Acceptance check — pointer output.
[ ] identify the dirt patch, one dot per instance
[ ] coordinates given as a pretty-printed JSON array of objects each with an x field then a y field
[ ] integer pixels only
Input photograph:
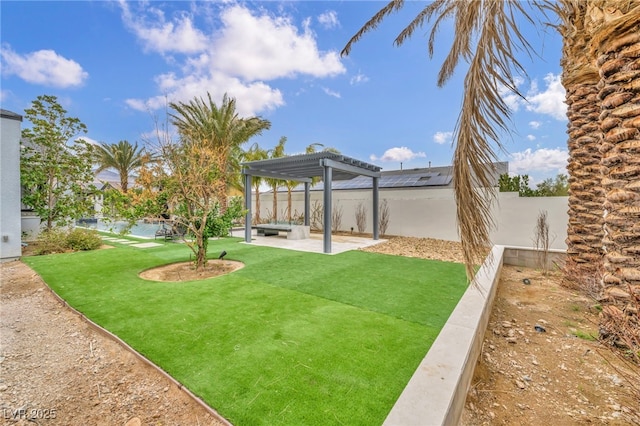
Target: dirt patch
[
  {"x": 57, "y": 370},
  {"x": 541, "y": 362},
  {"x": 424, "y": 248},
  {"x": 185, "y": 271}
]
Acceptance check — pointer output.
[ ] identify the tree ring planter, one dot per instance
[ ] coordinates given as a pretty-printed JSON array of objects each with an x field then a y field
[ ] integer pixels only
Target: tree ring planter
[{"x": 185, "y": 271}]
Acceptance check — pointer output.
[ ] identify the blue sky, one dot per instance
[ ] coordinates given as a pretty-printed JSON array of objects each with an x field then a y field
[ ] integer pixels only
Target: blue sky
[{"x": 114, "y": 63}]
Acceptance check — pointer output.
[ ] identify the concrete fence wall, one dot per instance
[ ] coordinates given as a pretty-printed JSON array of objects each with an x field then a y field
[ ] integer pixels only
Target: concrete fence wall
[{"x": 432, "y": 213}]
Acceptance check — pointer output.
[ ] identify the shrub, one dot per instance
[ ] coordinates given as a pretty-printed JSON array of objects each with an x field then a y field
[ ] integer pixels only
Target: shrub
[
  {"x": 52, "y": 241},
  {"x": 83, "y": 239}
]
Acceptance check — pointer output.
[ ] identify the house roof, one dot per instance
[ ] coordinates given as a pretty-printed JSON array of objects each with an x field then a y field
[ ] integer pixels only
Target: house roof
[
  {"x": 4, "y": 113},
  {"x": 432, "y": 177}
]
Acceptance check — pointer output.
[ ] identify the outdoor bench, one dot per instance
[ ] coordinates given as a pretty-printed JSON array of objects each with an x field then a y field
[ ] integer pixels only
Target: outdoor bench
[
  {"x": 294, "y": 232},
  {"x": 167, "y": 233}
]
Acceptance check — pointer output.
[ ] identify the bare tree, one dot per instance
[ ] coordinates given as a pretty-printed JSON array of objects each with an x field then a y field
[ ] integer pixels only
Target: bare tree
[
  {"x": 361, "y": 217},
  {"x": 542, "y": 241},
  {"x": 336, "y": 217},
  {"x": 383, "y": 223},
  {"x": 317, "y": 216}
]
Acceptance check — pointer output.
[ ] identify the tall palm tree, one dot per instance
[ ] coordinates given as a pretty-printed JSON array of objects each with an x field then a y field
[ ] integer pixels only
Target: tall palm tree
[
  {"x": 223, "y": 130},
  {"x": 276, "y": 152},
  {"x": 586, "y": 196},
  {"x": 255, "y": 153},
  {"x": 615, "y": 48},
  {"x": 124, "y": 158},
  {"x": 487, "y": 37}
]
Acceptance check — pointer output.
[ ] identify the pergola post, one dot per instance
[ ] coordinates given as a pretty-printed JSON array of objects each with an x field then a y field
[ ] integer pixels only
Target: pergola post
[
  {"x": 247, "y": 206},
  {"x": 328, "y": 176},
  {"x": 375, "y": 209},
  {"x": 307, "y": 202}
]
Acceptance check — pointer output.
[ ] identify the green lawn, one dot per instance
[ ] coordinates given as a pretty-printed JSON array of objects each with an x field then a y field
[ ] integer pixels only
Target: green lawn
[{"x": 293, "y": 338}]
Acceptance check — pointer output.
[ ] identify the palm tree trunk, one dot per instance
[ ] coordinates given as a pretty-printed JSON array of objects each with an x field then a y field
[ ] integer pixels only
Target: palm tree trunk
[
  {"x": 580, "y": 78},
  {"x": 289, "y": 202},
  {"x": 275, "y": 204},
  {"x": 617, "y": 49},
  {"x": 257, "y": 203}
]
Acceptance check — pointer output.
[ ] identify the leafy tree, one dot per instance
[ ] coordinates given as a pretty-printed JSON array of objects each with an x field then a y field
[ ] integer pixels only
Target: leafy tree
[
  {"x": 56, "y": 175},
  {"x": 222, "y": 130},
  {"x": 553, "y": 187},
  {"x": 124, "y": 158},
  {"x": 550, "y": 187},
  {"x": 518, "y": 183},
  {"x": 199, "y": 166}
]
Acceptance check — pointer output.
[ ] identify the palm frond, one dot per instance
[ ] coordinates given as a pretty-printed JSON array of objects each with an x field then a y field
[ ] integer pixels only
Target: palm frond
[{"x": 488, "y": 37}]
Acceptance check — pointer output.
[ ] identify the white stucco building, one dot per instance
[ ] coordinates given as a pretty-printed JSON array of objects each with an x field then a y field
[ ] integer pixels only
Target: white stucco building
[{"x": 10, "y": 228}]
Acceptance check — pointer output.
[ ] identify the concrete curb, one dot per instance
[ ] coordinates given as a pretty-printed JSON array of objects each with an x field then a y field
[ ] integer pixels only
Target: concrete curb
[{"x": 436, "y": 392}]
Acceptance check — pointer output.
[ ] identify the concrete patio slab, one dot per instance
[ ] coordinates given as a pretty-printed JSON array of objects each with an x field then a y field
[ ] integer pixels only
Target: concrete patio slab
[{"x": 314, "y": 244}]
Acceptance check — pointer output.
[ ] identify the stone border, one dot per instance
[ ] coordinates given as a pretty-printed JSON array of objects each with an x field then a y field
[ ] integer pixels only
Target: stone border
[{"x": 436, "y": 393}]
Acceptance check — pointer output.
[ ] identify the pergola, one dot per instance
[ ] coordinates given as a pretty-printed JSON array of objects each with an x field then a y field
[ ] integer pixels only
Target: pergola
[{"x": 301, "y": 168}]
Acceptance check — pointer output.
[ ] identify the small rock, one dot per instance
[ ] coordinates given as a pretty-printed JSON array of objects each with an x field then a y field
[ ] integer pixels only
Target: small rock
[
  {"x": 135, "y": 421},
  {"x": 521, "y": 384},
  {"x": 3, "y": 388},
  {"x": 539, "y": 328},
  {"x": 166, "y": 389},
  {"x": 526, "y": 281},
  {"x": 511, "y": 340},
  {"x": 506, "y": 324}
]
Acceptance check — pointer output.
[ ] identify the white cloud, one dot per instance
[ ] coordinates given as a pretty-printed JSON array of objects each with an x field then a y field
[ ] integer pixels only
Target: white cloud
[
  {"x": 4, "y": 95},
  {"x": 547, "y": 102},
  {"x": 331, "y": 92},
  {"x": 329, "y": 19},
  {"x": 541, "y": 160},
  {"x": 242, "y": 55},
  {"x": 398, "y": 154},
  {"x": 252, "y": 97},
  {"x": 266, "y": 47},
  {"x": 512, "y": 100},
  {"x": 89, "y": 140},
  {"x": 551, "y": 100},
  {"x": 159, "y": 35},
  {"x": 43, "y": 67},
  {"x": 442, "y": 137},
  {"x": 358, "y": 79},
  {"x": 531, "y": 137}
]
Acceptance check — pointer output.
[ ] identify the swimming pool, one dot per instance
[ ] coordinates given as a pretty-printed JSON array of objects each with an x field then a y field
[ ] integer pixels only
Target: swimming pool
[{"x": 141, "y": 229}]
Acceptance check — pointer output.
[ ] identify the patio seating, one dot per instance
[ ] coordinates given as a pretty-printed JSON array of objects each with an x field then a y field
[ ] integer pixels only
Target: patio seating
[{"x": 169, "y": 234}]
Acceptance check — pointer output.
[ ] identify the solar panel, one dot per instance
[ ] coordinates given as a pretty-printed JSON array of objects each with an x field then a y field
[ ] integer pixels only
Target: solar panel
[{"x": 386, "y": 181}]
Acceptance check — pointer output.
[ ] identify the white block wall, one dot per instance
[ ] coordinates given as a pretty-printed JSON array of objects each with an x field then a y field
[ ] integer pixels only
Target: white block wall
[{"x": 432, "y": 213}]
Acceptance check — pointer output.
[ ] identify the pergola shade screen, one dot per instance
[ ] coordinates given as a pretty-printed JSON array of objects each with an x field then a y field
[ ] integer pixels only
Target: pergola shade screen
[{"x": 328, "y": 165}]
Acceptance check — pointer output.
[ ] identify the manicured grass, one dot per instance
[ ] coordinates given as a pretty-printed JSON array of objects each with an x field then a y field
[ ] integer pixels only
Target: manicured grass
[{"x": 292, "y": 338}]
